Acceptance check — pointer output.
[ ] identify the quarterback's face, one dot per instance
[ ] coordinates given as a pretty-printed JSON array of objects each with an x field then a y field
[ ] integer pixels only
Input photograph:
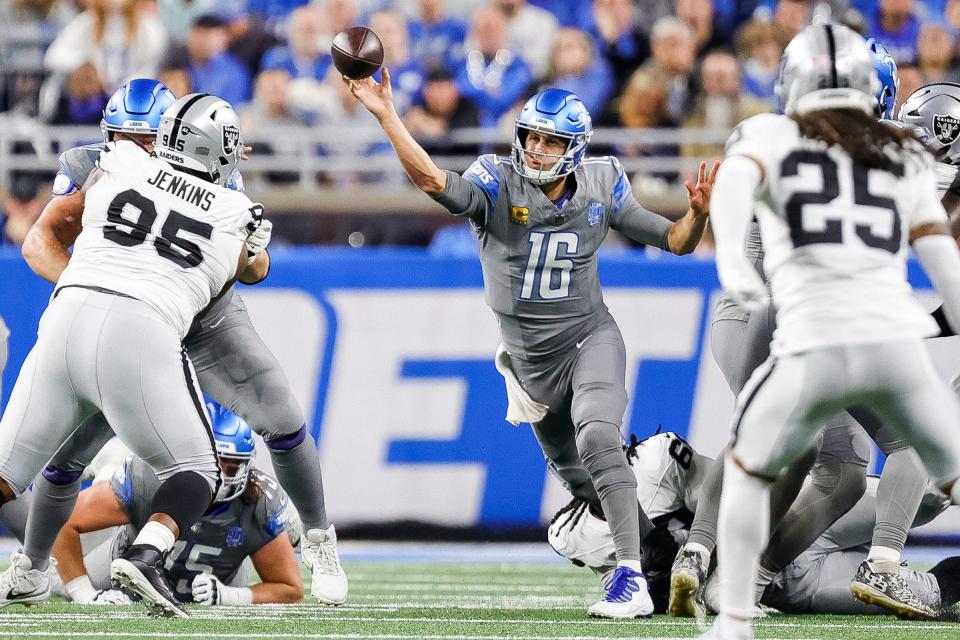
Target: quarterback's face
[{"x": 543, "y": 150}]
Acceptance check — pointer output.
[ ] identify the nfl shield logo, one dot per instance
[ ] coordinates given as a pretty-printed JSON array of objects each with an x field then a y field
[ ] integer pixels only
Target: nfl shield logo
[
  {"x": 946, "y": 128},
  {"x": 595, "y": 213},
  {"x": 234, "y": 537},
  {"x": 231, "y": 137}
]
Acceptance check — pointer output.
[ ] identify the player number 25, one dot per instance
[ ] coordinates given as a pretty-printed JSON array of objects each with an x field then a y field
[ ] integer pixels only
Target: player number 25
[
  {"x": 189, "y": 254},
  {"x": 547, "y": 276},
  {"x": 832, "y": 231}
]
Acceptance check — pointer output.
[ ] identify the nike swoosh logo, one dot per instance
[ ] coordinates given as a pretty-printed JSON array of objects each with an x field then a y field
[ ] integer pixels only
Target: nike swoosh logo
[
  {"x": 580, "y": 344},
  {"x": 214, "y": 325}
]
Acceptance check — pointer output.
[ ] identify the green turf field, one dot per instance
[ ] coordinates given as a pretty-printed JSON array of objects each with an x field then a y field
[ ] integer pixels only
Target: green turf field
[{"x": 435, "y": 601}]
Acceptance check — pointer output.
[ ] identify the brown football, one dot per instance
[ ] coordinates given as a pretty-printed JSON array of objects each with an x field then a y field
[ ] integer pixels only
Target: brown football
[{"x": 357, "y": 52}]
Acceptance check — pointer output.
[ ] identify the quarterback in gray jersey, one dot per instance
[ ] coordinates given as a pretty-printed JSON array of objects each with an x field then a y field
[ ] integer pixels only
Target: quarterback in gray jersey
[
  {"x": 540, "y": 216},
  {"x": 248, "y": 519},
  {"x": 231, "y": 360}
]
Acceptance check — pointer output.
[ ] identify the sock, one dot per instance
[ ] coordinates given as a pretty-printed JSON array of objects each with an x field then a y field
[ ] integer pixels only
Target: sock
[
  {"x": 703, "y": 531},
  {"x": 885, "y": 557},
  {"x": 623, "y": 517},
  {"x": 700, "y": 550},
  {"x": 53, "y": 496},
  {"x": 743, "y": 528},
  {"x": 297, "y": 465},
  {"x": 631, "y": 564},
  {"x": 899, "y": 493},
  {"x": 156, "y": 535}
]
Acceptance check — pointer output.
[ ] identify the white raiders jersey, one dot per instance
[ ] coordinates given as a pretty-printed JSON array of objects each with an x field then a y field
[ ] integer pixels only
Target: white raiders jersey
[
  {"x": 660, "y": 464},
  {"x": 836, "y": 237},
  {"x": 159, "y": 235}
]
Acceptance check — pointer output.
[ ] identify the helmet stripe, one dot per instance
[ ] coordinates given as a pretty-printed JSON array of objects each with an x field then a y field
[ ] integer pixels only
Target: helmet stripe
[
  {"x": 832, "y": 47},
  {"x": 175, "y": 132}
]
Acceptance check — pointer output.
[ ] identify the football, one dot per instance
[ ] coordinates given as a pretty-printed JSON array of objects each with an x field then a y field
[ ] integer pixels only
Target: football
[{"x": 357, "y": 52}]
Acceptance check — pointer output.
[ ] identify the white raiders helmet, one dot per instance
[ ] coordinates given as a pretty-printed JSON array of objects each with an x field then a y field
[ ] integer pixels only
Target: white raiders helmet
[
  {"x": 935, "y": 108},
  {"x": 201, "y": 132},
  {"x": 827, "y": 66}
]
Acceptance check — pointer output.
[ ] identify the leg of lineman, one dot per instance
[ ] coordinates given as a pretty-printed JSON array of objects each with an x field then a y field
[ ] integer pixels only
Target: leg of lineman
[
  {"x": 899, "y": 493},
  {"x": 237, "y": 369},
  {"x": 55, "y": 489}
]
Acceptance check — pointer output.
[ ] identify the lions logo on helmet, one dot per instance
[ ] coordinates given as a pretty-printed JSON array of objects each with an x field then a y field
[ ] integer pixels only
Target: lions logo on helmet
[
  {"x": 136, "y": 108},
  {"x": 888, "y": 76},
  {"x": 235, "y": 446},
  {"x": 558, "y": 113}
]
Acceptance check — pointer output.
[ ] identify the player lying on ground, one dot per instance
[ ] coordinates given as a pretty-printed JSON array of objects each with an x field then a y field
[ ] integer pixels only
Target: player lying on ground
[
  {"x": 249, "y": 518},
  {"x": 670, "y": 481},
  {"x": 540, "y": 215},
  {"x": 232, "y": 362}
]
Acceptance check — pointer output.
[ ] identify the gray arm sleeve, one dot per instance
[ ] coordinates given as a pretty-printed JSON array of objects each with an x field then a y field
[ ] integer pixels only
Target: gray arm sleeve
[
  {"x": 642, "y": 225},
  {"x": 462, "y": 197}
]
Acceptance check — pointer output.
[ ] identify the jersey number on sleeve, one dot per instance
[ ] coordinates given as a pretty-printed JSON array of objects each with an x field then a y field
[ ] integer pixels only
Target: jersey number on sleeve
[
  {"x": 832, "y": 230},
  {"x": 187, "y": 254},
  {"x": 547, "y": 276}
]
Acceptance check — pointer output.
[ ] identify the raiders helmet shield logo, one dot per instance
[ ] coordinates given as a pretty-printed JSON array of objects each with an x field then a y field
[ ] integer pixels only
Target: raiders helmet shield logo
[
  {"x": 946, "y": 128},
  {"x": 231, "y": 139}
]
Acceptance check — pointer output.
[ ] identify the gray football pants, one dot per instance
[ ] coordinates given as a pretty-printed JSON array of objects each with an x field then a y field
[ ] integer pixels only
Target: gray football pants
[
  {"x": 786, "y": 401},
  {"x": 97, "y": 352},
  {"x": 233, "y": 366}
]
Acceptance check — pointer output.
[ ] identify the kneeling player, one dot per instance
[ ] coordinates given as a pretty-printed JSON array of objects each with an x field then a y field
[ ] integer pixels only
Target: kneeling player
[{"x": 249, "y": 518}]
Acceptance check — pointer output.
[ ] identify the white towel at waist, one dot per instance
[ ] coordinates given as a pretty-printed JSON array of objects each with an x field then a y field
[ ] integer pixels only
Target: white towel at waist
[{"x": 520, "y": 406}]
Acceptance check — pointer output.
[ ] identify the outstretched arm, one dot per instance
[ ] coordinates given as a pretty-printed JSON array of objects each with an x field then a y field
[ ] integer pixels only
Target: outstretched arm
[
  {"x": 46, "y": 247},
  {"x": 378, "y": 99}
]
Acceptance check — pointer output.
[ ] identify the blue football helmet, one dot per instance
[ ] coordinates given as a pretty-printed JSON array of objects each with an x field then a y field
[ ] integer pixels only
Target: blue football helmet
[
  {"x": 136, "y": 108},
  {"x": 556, "y": 112},
  {"x": 234, "y": 440},
  {"x": 888, "y": 77}
]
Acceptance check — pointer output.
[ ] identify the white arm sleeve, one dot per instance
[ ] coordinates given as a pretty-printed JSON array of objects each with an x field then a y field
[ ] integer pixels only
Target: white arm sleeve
[
  {"x": 732, "y": 207},
  {"x": 940, "y": 259}
]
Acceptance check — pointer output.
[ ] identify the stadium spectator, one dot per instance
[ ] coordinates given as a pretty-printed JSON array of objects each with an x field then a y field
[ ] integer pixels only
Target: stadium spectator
[
  {"x": 177, "y": 80},
  {"x": 618, "y": 35},
  {"x": 248, "y": 36},
  {"x": 895, "y": 24},
  {"x": 700, "y": 17},
  {"x": 437, "y": 38},
  {"x": 673, "y": 48},
  {"x": 720, "y": 105},
  {"x": 306, "y": 54},
  {"x": 342, "y": 14},
  {"x": 406, "y": 74},
  {"x": 530, "y": 33},
  {"x": 935, "y": 54},
  {"x": 271, "y": 107},
  {"x": 179, "y": 15},
  {"x": 644, "y": 104},
  {"x": 491, "y": 76},
  {"x": 19, "y": 209},
  {"x": 574, "y": 66},
  {"x": 274, "y": 13},
  {"x": 82, "y": 98},
  {"x": 120, "y": 38},
  {"x": 760, "y": 53},
  {"x": 911, "y": 79},
  {"x": 34, "y": 25},
  {"x": 208, "y": 63},
  {"x": 789, "y": 18},
  {"x": 443, "y": 109}
]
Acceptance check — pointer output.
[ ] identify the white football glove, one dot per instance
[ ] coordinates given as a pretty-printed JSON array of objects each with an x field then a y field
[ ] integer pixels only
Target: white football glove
[
  {"x": 258, "y": 240},
  {"x": 206, "y": 589}
]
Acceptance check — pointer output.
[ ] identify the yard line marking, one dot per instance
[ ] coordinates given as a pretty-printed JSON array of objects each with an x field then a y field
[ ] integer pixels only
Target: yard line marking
[{"x": 317, "y": 636}]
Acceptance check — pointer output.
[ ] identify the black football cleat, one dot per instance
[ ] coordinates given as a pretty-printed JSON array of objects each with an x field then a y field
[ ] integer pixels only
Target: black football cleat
[{"x": 140, "y": 571}]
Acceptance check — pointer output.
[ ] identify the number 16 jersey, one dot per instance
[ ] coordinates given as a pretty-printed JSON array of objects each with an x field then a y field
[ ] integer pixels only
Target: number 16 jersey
[
  {"x": 836, "y": 236},
  {"x": 159, "y": 235}
]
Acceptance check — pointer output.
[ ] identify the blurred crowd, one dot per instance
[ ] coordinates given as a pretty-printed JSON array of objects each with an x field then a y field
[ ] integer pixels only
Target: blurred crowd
[{"x": 454, "y": 63}]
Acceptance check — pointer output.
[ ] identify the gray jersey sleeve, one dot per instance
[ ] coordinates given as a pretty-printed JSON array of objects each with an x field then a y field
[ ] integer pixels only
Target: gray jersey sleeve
[
  {"x": 475, "y": 193},
  {"x": 269, "y": 515},
  {"x": 135, "y": 484},
  {"x": 76, "y": 165},
  {"x": 631, "y": 219}
]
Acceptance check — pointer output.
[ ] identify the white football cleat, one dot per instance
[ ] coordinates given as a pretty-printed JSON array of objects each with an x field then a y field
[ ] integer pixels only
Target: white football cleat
[
  {"x": 627, "y": 596},
  {"x": 724, "y": 628},
  {"x": 21, "y": 583},
  {"x": 318, "y": 548}
]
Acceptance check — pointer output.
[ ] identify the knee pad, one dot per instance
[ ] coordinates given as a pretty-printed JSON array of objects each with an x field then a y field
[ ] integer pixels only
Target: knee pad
[
  {"x": 601, "y": 449},
  {"x": 280, "y": 443},
  {"x": 61, "y": 477},
  {"x": 184, "y": 497}
]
